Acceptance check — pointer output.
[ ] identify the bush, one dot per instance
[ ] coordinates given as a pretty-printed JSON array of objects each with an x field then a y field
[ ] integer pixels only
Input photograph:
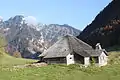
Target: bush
[
  {"x": 92, "y": 61},
  {"x": 17, "y": 54}
]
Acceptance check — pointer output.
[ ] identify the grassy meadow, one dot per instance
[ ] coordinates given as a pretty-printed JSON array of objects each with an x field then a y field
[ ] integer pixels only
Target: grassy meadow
[{"x": 59, "y": 72}]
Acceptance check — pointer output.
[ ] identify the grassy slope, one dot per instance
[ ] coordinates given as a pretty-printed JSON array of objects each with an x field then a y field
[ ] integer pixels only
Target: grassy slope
[
  {"x": 9, "y": 60},
  {"x": 62, "y": 72},
  {"x": 5, "y": 59}
]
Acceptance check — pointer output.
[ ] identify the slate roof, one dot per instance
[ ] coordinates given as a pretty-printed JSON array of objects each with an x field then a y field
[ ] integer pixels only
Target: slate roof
[{"x": 68, "y": 45}]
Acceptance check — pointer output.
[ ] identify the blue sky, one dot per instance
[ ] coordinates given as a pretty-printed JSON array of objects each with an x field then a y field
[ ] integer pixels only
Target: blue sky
[{"x": 77, "y": 13}]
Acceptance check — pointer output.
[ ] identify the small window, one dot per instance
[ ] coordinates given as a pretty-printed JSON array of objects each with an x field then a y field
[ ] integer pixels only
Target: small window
[{"x": 70, "y": 57}]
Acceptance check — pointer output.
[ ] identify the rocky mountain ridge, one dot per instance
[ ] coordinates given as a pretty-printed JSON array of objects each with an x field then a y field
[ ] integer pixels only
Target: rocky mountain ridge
[{"x": 29, "y": 39}]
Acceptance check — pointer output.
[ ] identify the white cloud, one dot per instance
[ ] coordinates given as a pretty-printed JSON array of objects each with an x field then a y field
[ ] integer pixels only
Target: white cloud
[
  {"x": 1, "y": 18},
  {"x": 30, "y": 20}
]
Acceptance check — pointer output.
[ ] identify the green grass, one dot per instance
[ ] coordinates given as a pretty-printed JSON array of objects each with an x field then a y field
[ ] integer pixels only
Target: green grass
[
  {"x": 60, "y": 72},
  {"x": 10, "y": 61}
]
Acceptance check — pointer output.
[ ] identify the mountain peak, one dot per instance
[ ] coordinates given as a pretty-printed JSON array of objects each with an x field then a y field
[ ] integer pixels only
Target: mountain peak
[
  {"x": 29, "y": 20},
  {"x": 17, "y": 17}
]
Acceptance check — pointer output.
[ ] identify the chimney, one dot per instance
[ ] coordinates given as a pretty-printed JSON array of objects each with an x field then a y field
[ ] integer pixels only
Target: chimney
[{"x": 98, "y": 46}]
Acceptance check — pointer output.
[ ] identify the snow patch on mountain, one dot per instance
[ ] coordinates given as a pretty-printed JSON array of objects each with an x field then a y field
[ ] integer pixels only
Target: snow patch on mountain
[
  {"x": 1, "y": 18},
  {"x": 6, "y": 29}
]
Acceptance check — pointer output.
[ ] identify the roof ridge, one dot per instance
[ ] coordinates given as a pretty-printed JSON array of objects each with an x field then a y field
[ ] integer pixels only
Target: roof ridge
[{"x": 69, "y": 44}]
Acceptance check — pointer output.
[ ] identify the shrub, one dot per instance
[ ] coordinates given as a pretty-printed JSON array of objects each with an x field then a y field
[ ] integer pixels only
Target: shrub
[{"x": 17, "y": 54}]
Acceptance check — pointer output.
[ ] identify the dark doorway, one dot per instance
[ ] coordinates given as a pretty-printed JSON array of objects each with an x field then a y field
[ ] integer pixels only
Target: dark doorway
[{"x": 78, "y": 58}]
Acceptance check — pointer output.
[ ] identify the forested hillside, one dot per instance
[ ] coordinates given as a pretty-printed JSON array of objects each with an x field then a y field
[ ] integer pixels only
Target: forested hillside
[{"x": 105, "y": 28}]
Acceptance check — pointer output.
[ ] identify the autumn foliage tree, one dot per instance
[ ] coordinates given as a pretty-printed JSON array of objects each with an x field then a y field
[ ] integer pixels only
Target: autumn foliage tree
[{"x": 17, "y": 54}]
